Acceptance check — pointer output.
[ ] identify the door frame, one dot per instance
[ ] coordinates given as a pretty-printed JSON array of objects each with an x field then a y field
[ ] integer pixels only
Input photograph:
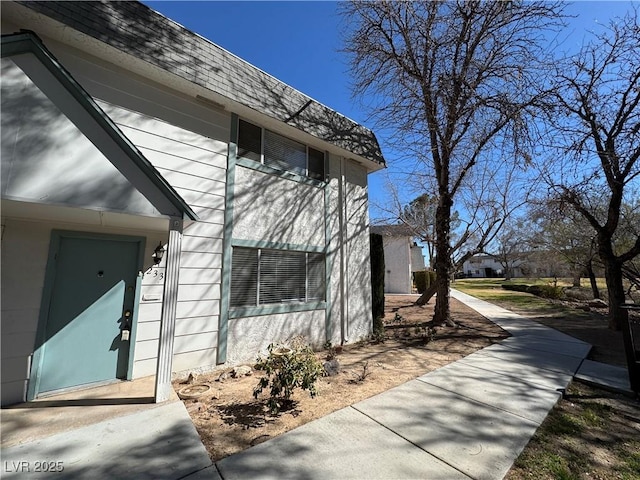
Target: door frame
[{"x": 47, "y": 292}]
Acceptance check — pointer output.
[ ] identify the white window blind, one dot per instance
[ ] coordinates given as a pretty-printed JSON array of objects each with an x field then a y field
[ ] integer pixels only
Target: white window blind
[
  {"x": 315, "y": 276},
  {"x": 279, "y": 152},
  {"x": 282, "y": 277},
  {"x": 265, "y": 276},
  {"x": 244, "y": 277}
]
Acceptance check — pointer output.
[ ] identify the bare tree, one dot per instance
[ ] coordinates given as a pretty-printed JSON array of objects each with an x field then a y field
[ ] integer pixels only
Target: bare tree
[
  {"x": 565, "y": 232},
  {"x": 511, "y": 246},
  {"x": 420, "y": 216},
  {"x": 597, "y": 136},
  {"x": 626, "y": 234},
  {"x": 454, "y": 82}
]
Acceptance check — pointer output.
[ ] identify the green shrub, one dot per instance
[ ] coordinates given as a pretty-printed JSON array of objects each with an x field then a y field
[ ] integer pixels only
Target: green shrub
[
  {"x": 432, "y": 278},
  {"x": 377, "y": 275},
  {"x": 421, "y": 280},
  {"x": 534, "y": 290},
  {"x": 516, "y": 287},
  {"x": 550, "y": 291},
  {"x": 286, "y": 369},
  {"x": 543, "y": 291}
]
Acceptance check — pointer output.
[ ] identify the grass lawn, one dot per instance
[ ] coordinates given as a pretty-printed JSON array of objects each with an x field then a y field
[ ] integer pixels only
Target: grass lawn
[
  {"x": 591, "y": 433},
  {"x": 490, "y": 289}
]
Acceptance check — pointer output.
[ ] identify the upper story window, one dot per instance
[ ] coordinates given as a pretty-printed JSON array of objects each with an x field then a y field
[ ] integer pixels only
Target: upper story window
[{"x": 273, "y": 150}]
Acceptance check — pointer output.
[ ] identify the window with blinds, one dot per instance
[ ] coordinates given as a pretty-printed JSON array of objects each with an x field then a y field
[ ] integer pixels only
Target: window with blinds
[
  {"x": 249, "y": 141},
  {"x": 244, "y": 285},
  {"x": 266, "y": 277},
  {"x": 279, "y": 152}
]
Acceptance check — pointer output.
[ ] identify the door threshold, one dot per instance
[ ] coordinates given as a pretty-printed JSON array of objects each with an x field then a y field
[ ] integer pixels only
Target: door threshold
[{"x": 78, "y": 388}]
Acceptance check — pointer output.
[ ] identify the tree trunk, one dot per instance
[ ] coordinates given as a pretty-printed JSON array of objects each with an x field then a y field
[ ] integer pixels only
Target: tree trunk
[
  {"x": 592, "y": 280},
  {"x": 428, "y": 293},
  {"x": 442, "y": 311},
  {"x": 576, "y": 276},
  {"x": 615, "y": 289},
  {"x": 618, "y": 317}
]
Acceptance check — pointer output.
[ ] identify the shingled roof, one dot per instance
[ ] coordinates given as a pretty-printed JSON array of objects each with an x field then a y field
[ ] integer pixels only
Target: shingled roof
[{"x": 136, "y": 29}]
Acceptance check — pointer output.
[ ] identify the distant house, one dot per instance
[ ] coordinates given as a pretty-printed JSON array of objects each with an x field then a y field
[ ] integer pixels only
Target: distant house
[
  {"x": 166, "y": 206},
  {"x": 535, "y": 263},
  {"x": 402, "y": 257},
  {"x": 483, "y": 266}
]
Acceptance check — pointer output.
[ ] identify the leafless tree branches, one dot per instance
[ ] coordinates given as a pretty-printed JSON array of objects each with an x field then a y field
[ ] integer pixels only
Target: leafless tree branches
[
  {"x": 452, "y": 81},
  {"x": 596, "y": 141}
]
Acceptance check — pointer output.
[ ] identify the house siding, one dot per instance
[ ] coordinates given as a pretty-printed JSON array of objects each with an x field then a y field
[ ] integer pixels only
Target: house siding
[
  {"x": 250, "y": 336},
  {"x": 24, "y": 256},
  {"x": 195, "y": 166},
  {"x": 37, "y": 139},
  {"x": 417, "y": 259},
  {"x": 25, "y": 250},
  {"x": 270, "y": 208},
  {"x": 476, "y": 266},
  {"x": 161, "y": 45},
  {"x": 188, "y": 142},
  {"x": 358, "y": 290},
  {"x": 349, "y": 288}
]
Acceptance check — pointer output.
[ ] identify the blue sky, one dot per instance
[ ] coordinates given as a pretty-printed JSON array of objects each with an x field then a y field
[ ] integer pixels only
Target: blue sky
[{"x": 298, "y": 42}]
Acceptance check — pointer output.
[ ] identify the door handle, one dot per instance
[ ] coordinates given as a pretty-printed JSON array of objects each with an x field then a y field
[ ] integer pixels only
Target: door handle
[{"x": 126, "y": 326}]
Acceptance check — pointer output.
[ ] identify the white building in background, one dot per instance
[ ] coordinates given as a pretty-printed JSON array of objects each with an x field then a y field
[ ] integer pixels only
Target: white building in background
[
  {"x": 482, "y": 266},
  {"x": 402, "y": 257}
]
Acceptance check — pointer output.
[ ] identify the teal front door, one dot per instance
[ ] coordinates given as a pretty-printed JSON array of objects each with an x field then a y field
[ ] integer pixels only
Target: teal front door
[{"x": 91, "y": 301}]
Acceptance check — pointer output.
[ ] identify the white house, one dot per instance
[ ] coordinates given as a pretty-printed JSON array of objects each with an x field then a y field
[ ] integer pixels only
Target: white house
[
  {"x": 535, "y": 263},
  {"x": 481, "y": 266},
  {"x": 402, "y": 257},
  {"x": 166, "y": 206}
]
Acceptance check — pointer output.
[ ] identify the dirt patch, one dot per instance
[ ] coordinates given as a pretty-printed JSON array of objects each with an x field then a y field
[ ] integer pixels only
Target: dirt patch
[
  {"x": 590, "y": 434},
  {"x": 229, "y": 419}
]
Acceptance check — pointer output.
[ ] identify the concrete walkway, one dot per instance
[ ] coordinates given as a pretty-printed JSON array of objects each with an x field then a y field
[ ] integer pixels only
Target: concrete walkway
[
  {"x": 467, "y": 420},
  {"x": 156, "y": 443},
  {"x": 470, "y": 419}
]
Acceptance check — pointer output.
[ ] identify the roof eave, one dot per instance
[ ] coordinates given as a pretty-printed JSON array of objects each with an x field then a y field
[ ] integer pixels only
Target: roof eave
[{"x": 28, "y": 42}]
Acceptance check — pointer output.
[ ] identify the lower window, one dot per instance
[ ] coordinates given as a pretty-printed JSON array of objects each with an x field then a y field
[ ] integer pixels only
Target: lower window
[{"x": 261, "y": 276}]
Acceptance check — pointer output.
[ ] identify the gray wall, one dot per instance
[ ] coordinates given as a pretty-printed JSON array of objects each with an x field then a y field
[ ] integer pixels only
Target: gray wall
[
  {"x": 47, "y": 159},
  {"x": 25, "y": 248},
  {"x": 171, "y": 133},
  {"x": 188, "y": 143}
]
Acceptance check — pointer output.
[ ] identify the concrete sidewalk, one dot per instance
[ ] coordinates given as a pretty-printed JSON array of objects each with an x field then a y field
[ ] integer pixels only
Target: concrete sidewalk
[
  {"x": 469, "y": 419},
  {"x": 155, "y": 443}
]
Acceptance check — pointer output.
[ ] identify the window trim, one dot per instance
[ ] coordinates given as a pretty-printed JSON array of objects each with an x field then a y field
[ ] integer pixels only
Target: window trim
[
  {"x": 279, "y": 308},
  {"x": 261, "y": 310},
  {"x": 288, "y": 174}
]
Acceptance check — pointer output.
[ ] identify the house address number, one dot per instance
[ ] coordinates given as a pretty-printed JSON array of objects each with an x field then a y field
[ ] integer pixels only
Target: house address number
[{"x": 155, "y": 274}]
